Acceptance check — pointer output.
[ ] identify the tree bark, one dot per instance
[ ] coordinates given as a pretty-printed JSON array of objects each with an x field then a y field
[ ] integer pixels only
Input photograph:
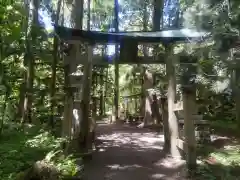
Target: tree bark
[
  {"x": 156, "y": 109},
  {"x": 73, "y": 123},
  {"x": 148, "y": 85},
  {"x": 116, "y": 70},
  {"x": 67, "y": 120},
  {"x": 148, "y": 78},
  {"x": 23, "y": 87},
  {"x": 31, "y": 63},
  {"x": 157, "y": 13},
  {"x": 22, "y": 92},
  {"x": 85, "y": 102},
  {"x": 236, "y": 83},
  {"x": 145, "y": 53},
  {"x": 105, "y": 90},
  {"x": 85, "y": 122},
  {"x": 236, "y": 93},
  {"x": 143, "y": 98},
  {"x": 6, "y": 97},
  {"x": 102, "y": 92},
  {"x": 54, "y": 66}
]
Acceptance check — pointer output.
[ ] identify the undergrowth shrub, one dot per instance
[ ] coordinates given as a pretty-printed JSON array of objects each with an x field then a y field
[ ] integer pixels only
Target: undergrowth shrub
[{"x": 21, "y": 147}]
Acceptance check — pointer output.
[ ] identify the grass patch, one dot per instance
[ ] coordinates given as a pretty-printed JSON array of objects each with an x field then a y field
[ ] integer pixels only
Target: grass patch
[
  {"x": 22, "y": 147},
  {"x": 229, "y": 155},
  {"x": 226, "y": 164}
]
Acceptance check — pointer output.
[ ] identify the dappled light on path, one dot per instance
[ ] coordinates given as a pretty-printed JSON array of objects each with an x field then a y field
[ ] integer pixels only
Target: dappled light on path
[
  {"x": 136, "y": 140},
  {"x": 129, "y": 153}
]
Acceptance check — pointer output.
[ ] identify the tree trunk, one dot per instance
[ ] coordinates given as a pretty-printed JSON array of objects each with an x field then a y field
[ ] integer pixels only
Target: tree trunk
[
  {"x": 102, "y": 92},
  {"x": 236, "y": 93},
  {"x": 67, "y": 119},
  {"x": 85, "y": 122},
  {"x": 3, "y": 81},
  {"x": 157, "y": 13},
  {"x": 148, "y": 78},
  {"x": 29, "y": 88},
  {"x": 235, "y": 83},
  {"x": 4, "y": 111},
  {"x": 54, "y": 65},
  {"x": 157, "y": 17},
  {"x": 143, "y": 99},
  {"x": 148, "y": 84},
  {"x": 145, "y": 53},
  {"x": 156, "y": 109},
  {"x": 72, "y": 107},
  {"x": 22, "y": 92},
  {"x": 31, "y": 63},
  {"x": 116, "y": 89},
  {"x": 85, "y": 144},
  {"x": 237, "y": 100},
  {"x": 172, "y": 119},
  {"x": 23, "y": 87},
  {"x": 77, "y": 13},
  {"x": 105, "y": 90}
]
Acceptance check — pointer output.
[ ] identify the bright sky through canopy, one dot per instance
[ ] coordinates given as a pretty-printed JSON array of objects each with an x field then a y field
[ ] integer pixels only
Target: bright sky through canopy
[{"x": 46, "y": 19}]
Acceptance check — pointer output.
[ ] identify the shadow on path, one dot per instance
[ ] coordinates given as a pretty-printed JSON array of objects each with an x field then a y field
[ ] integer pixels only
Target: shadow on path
[{"x": 129, "y": 153}]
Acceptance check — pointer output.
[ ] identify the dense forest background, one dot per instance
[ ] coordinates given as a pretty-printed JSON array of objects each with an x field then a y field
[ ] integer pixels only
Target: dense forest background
[{"x": 32, "y": 74}]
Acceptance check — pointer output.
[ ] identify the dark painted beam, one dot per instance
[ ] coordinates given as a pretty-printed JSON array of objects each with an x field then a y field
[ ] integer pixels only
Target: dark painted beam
[{"x": 165, "y": 37}]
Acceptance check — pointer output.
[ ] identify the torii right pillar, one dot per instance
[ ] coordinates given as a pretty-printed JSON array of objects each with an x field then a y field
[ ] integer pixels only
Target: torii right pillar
[{"x": 188, "y": 87}]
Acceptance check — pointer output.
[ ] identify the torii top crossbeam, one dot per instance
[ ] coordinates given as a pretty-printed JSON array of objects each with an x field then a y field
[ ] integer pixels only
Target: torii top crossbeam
[
  {"x": 128, "y": 41},
  {"x": 164, "y": 37}
]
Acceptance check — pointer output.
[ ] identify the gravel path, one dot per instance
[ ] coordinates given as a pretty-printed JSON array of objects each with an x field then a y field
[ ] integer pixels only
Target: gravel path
[{"x": 129, "y": 153}]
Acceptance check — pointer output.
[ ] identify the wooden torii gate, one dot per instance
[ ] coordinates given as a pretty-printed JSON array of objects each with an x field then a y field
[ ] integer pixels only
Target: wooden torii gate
[{"x": 129, "y": 42}]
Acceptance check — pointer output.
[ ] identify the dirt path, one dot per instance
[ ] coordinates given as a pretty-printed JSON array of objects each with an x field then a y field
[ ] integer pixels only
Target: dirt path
[{"x": 128, "y": 153}]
